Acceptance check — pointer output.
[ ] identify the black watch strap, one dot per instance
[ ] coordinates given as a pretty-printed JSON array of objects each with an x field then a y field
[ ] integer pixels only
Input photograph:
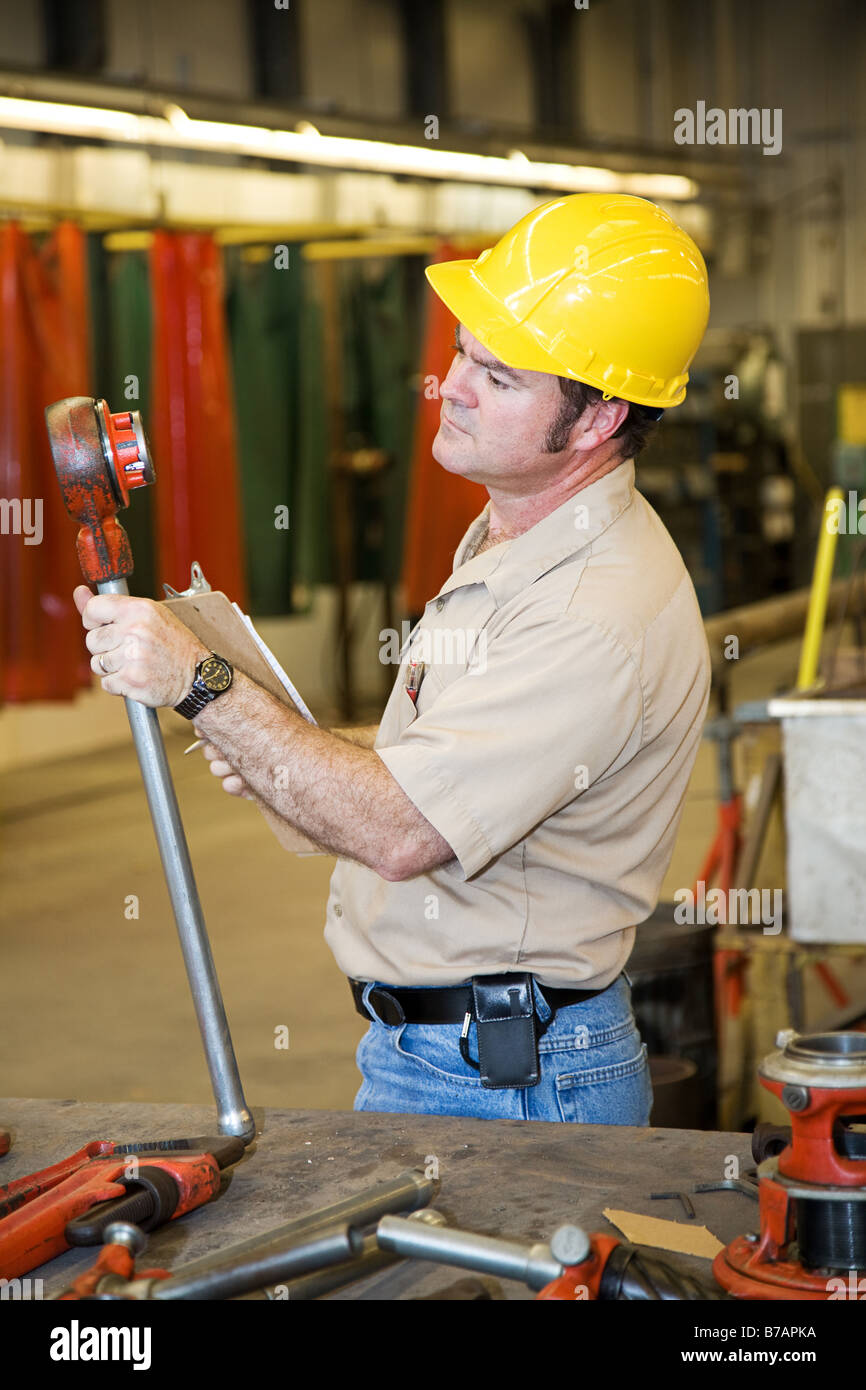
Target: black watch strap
[
  {"x": 200, "y": 695},
  {"x": 196, "y": 700}
]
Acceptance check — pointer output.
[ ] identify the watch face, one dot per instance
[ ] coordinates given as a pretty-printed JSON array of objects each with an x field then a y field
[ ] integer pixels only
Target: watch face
[{"x": 216, "y": 674}]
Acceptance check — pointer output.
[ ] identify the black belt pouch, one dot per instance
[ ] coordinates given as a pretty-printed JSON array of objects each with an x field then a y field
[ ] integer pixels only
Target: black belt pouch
[{"x": 505, "y": 1021}]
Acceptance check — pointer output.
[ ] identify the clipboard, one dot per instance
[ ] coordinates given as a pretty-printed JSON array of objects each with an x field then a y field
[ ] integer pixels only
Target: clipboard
[{"x": 221, "y": 626}]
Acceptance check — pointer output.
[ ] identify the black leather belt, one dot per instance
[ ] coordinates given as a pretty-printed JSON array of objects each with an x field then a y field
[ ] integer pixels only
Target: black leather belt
[{"x": 444, "y": 1005}]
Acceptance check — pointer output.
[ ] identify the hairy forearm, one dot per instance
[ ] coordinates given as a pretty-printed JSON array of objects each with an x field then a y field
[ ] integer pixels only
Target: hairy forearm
[
  {"x": 338, "y": 793},
  {"x": 362, "y": 735}
]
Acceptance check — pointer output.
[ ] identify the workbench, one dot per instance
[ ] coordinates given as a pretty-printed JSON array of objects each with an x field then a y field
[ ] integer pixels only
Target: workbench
[{"x": 510, "y": 1178}]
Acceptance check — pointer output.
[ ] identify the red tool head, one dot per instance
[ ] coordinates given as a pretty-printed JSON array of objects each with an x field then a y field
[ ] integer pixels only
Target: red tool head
[
  {"x": 99, "y": 459},
  {"x": 812, "y": 1194}
]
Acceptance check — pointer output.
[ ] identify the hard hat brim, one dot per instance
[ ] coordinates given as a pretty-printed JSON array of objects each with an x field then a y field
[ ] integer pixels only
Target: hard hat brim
[
  {"x": 477, "y": 309},
  {"x": 514, "y": 343}
]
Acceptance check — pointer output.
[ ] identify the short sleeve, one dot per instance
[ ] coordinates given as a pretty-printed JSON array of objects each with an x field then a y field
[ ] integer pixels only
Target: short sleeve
[{"x": 553, "y": 705}]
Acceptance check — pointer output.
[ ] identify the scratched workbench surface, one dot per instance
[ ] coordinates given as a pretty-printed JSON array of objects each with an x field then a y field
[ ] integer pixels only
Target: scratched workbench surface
[{"x": 509, "y": 1178}]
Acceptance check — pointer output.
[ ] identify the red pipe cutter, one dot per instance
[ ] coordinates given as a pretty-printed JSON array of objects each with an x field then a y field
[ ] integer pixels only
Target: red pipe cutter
[
  {"x": 72, "y": 1202},
  {"x": 98, "y": 458}
]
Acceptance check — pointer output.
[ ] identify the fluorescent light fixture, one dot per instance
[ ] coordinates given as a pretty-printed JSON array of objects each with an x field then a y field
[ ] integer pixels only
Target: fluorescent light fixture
[
  {"x": 68, "y": 120},
  {"x": 305, "y": 145},
  {"x": 176, "y": 116}
]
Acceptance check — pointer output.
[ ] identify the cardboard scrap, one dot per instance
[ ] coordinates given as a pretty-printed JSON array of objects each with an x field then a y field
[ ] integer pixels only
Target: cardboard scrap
[{"x": 678, "y": 1236}]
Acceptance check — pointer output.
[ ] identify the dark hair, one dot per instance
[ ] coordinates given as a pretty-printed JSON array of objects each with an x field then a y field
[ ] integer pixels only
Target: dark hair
[{"x": 576, "y": 396}]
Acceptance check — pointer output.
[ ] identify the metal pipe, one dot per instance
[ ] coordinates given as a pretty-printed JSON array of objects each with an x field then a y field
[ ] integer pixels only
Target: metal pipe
[
  {"x": 407, "y": 1192},
  {"x": 769, "y": 620},
  {"x": 268, "y": 1266},
  {"x": 233, "y": 1116},
  {"x": 370, "y": 1259},
  {"x": 533, "y": 1265},
  {"x": 825, "y": 556}
]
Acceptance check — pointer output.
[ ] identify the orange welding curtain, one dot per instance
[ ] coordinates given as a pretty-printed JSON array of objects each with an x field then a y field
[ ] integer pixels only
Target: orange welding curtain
[
  {"x": 441, "y": 505},
  {"x": 197, "y": 493},
  {"x": 44, "y": 355}
]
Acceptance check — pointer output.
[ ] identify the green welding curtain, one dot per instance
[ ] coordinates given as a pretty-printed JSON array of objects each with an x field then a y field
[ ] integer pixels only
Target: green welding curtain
[
  {"x": 314, "y": 553},
  {"x": 274, "y": 321},
  {"x": 120, "y": 319},
  {"x": 380, "y": 333},
  {"x": 277, "y": 345},
  {"x": 264, "y": 313},
  {"x": 378, "y": 311}
]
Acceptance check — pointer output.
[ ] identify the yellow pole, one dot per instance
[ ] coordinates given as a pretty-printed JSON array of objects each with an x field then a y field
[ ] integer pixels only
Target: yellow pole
[{"x": 825, "y": 557}]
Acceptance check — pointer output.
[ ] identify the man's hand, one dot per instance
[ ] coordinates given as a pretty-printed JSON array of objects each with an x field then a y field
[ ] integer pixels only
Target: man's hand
[
  {"x": 232, "y": 781},
  {"x": 139, "y": 648}
]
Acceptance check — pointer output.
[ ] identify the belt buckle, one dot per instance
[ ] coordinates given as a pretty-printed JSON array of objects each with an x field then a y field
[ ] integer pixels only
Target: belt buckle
[{"x": 392, "y": 1005}]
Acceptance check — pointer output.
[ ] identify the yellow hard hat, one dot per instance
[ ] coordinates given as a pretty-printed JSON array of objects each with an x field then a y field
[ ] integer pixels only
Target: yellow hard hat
[{"x": 604, "y": 288}]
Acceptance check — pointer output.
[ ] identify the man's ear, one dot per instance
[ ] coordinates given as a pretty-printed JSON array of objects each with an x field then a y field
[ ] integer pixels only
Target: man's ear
[
  {"x": 611, "y": 415},
  {"x": 606, "y": 419}
]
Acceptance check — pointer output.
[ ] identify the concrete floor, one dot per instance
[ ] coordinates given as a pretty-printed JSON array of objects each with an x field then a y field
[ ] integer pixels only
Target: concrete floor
[{"x": 94, "y": 1004}]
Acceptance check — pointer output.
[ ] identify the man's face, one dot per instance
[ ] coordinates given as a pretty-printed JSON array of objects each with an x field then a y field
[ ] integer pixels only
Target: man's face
[{"x": 494, "y": 421}]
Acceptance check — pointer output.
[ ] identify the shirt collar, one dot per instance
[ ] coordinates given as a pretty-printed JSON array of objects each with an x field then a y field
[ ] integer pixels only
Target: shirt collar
[{"x": 508, "y": 568}]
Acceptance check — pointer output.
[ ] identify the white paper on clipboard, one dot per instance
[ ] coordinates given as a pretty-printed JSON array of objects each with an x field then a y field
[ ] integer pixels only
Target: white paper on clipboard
[
  {"x": 222, "y": 627},
  {"x": 275, "y": 666}
]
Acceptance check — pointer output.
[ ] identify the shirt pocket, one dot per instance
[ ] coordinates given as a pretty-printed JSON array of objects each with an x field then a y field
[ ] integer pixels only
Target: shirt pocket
[
  {"x": 407, "y": 710},
  {"x": 429, "y": 689}
]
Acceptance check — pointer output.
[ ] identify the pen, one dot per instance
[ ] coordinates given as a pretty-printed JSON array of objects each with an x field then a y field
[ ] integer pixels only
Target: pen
[
  {"x": 199, "y": 743},
  {"x": 413, "y": 685}
]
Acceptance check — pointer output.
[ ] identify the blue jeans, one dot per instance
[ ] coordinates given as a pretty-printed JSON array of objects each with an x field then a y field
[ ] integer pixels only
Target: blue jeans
[{"x": 594, "y": 1068}]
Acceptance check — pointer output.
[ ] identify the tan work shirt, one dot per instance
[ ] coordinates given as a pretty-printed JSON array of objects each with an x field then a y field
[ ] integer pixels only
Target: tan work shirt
[{"x": 565, "y": 684}]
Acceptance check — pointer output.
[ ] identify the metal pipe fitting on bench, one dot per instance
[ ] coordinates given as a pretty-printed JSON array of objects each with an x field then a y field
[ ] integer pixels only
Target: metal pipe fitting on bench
[{"x": 533, "y": 1265}]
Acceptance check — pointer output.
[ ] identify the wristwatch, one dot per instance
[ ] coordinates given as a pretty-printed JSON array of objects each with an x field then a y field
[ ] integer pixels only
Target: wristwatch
[{"x": 213, "y": 676}]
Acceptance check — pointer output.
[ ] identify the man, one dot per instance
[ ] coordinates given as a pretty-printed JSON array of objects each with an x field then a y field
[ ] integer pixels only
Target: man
[{"x": 510, "y": 823}]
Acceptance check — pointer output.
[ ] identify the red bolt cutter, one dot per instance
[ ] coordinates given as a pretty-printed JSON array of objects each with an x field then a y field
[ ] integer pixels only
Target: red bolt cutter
[{"x": 73, "y": 1201}]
